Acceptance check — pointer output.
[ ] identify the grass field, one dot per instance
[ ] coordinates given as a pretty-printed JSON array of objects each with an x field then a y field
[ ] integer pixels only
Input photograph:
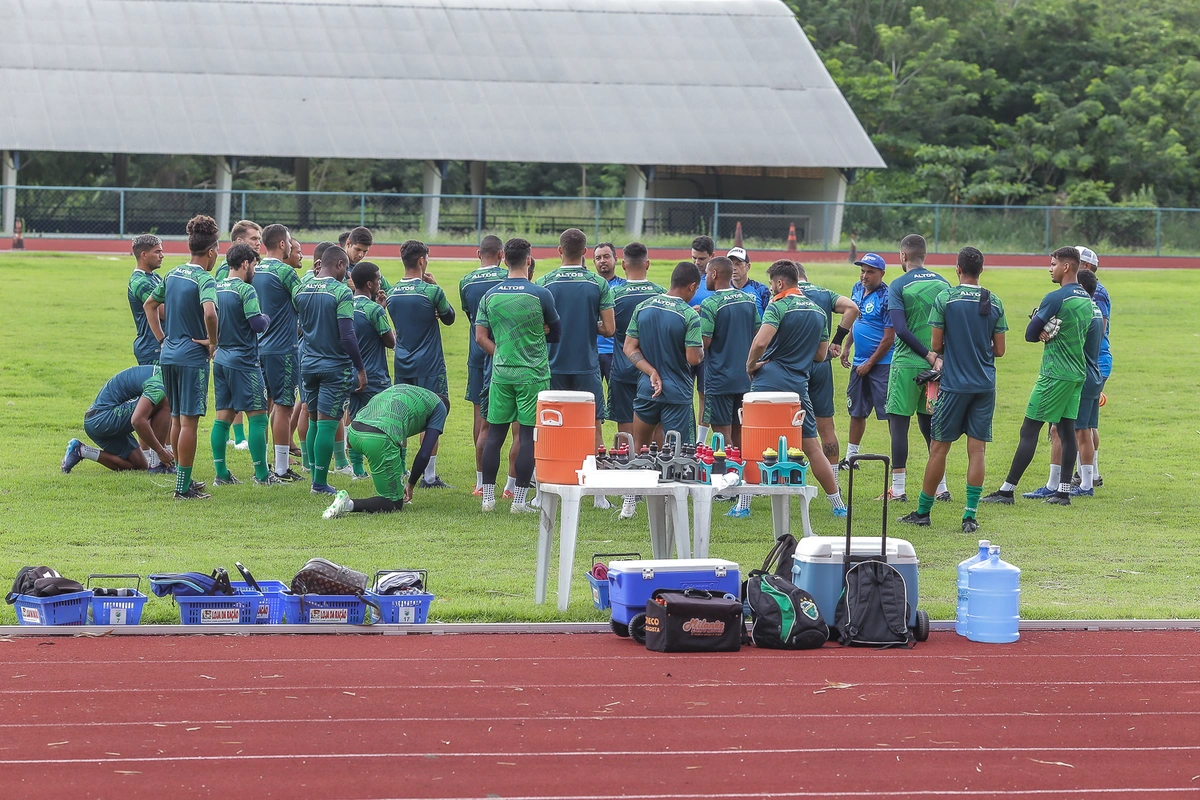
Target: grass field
[{"x": 1129, "y": 552}]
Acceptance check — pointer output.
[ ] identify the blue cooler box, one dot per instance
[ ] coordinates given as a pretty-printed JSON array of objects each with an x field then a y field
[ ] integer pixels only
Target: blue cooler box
[
  {"x": 818, "y": 568},
  {"x": 630, "y": 583}
]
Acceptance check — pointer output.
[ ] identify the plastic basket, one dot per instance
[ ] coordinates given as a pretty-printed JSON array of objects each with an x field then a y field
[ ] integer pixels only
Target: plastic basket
[
  {"x": 600, "y": 587},
  {"x": 412, "y": 608},
  {"x": 324, "y": 609},
  {"x": 272, "y": 607},
  {"x": 66, "y": 609},
  {"x": 117, "y": 610},
  {"x": 237, "y": 609}
]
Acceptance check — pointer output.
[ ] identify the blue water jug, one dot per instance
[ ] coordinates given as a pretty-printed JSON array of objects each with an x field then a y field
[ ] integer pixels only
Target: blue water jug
[
  {"x": 960, "y": 619},
  {"x": 993, "y": 597}
]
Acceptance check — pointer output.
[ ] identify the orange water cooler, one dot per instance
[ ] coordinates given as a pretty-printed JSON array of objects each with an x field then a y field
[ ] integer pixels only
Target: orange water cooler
[
  {"x": 766, "y": 416},
  {"x": 565, "y": 435}
]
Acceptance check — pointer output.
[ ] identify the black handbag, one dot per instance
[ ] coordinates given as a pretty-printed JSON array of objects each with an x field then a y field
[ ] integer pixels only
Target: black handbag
[{"x": 693, "y": 621}]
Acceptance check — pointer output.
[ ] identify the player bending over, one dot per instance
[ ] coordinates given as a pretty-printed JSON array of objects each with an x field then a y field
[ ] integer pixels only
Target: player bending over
[{"x": 133, "y": 400}]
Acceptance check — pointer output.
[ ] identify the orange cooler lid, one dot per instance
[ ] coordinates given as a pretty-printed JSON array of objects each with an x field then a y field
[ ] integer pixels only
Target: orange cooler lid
[
  {"x": 764, "y": 397},
  {"x": 567, "y": 397}
]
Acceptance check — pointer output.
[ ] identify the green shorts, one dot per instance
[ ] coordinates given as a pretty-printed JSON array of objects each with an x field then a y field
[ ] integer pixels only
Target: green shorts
[
  {"x": 477, "y": 381},
  {"x": 905, "y": 396},
  {"x": 187, "y": 389},
  {"x": 282, "y": 374},
  {"x": 385, "y": 460},
  {"x": 239, "y": 389},
  {"x": 1054, "y": 400},
  {"x": 327, "y": 392},
  {"x": 956, "y": 413},
  {"x": 514, "y": 402},
  {"x": 721, "y": 409}
]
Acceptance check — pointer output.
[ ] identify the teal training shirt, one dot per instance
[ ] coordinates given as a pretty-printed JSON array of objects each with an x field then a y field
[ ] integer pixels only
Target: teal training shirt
[
  {"x": 320, "y": 303},
  {"x": 729, "y": 317},
  {"x": 416, "y": 308},
  {"x": 579, "y": 296},
  {"x": 471, "y": 290},
  {"x": 371, "y": 325},
  {"x": 968, "y": 363},
  {"x": 800, "y": 327},
  {"x": 626, "y": 298},
  {"x": 141, "y": 286},
  {"x": 184, "y": 292},
  {"x": 1093, "y": 345},
  {"x": 665, "y": 327},
  {"x": 131, "y": 384},
  {"x": 276, "y": 284},
  {"x": 237, "y": 344}
]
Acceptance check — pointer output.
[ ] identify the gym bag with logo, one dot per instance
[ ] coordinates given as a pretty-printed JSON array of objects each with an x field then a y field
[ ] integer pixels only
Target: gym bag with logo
[
  {"x": 785, "y": 616},
  {"x": 693, "y": 621}
]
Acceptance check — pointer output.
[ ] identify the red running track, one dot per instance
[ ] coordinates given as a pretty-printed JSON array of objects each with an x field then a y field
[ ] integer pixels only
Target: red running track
[{"x": 593, "y": 716}]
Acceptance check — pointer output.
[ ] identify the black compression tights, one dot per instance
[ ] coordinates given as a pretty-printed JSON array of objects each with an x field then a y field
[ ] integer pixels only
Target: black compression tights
[
  {"x": 1027, "y": 447},
  {"x": 898, "y": 427},
  {"x": 491, "y": 454},
  {"x": 377, "y": 505}
]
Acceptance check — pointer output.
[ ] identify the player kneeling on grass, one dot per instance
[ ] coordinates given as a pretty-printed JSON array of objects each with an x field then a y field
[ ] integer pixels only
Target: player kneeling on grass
[
  {"x": 133, "y": 400},
  {"x": 380, "y": 432},
  {"x": 237, "y": 373},
  {"x": 967, "y": 328}
]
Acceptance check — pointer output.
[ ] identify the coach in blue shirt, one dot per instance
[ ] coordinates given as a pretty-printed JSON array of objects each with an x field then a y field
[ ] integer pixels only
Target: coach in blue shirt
[{"x": 871, "y": 339}]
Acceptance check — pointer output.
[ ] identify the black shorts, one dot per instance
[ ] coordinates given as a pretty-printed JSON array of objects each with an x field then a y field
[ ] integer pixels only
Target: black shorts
[
  {"x": 605, "y": 364},
  {"x": 620, "y": 401},
  {"x": 868, "y": 392},
  {"x": 679, "y": 417}
]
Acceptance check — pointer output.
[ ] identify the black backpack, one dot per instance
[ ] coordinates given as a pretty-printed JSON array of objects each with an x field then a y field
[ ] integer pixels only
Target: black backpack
[
  {"x": 785, "y": 616},
  {"x": 781, "y": 558},
  {"x": 41, "y": 582}
]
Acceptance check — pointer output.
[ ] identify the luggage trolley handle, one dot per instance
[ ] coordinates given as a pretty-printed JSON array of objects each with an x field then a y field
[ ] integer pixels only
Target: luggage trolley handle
[
  {"x": 852, "y": 461},
  {"x": 112, "y": 576}
]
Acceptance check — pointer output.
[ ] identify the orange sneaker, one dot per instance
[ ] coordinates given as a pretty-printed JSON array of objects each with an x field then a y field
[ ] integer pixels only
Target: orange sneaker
[
  {"x": 478, "y": 492},
  {"x": 508, "y": 495}
]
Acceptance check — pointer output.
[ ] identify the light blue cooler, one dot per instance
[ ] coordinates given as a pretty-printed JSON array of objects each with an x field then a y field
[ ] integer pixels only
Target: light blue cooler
[
  {"x": 818, "y": 570},
  {"x": 630, "y": 583}
]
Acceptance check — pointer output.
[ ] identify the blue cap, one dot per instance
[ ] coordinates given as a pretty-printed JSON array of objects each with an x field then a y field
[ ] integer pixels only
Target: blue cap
[{"x": 873, "y": 261}]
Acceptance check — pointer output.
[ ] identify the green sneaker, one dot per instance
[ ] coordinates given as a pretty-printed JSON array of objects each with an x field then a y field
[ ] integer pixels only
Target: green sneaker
[{"x": 339, "y": 507}]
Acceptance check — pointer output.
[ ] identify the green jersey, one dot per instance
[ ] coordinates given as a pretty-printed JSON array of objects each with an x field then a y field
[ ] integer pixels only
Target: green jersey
[
  {"x": 416, "y": 309},
  {"x": 320, "y": 303},
  {"x": 579, "y": 296},
  {"x": 626, "y": 298},
  {"x": 221, "y": 272},
  {"x": 665, "y": 327},
  {"x": 471, "y": 290},
  {"x": 1062, "y": 357},
  {"x": 403, "y": 411},
  {"x": 729, "y": 318},
  {"x": 141, "y": 285},
  {"x": 131, "y": 384},
  {"x": 800, "y": 327},
  {"x": 968, "y": 363},
  {"x": 276, "y": 284},
  {"x": 370, "y": 326},
  {"x": 237, "y": 344},
  {"x": 515, "y": 313},
  {"x": 184, "y": 293},
  {"x": 914, "y": 293}
]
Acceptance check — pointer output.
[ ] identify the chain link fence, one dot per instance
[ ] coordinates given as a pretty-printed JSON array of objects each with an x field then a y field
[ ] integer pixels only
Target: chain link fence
[{"x": 662, "y": 222}]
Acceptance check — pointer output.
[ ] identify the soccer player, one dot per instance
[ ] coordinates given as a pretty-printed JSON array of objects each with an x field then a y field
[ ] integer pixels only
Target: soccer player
[
  {"x": 663, "y": 341},
  {"x": 794, "y": 334},
  {"x": 910, "y": 297},
  {"x": 967, "y": 328},
  {"x": 243, "y": 232},
  {"x": 728, "y": 322},
  {"x": 820, "y": 376},
  {"x": 188, "y": 343},
  {"x": 871, "y": 340},
  {"x": 237, "y": 374},
  {"x": 743, "y": 281},
  {"x": 604, "y": 259},
  {"x": 1061, "y": 323},
  {"x": 380, "y": 431},
  {"x": 703, "y": 248},
  {"x": 514, "y": 323},
  {"x": 584, "y": 301},
  {"x": 325, "y": 309},
  {"x": 375, "y": 338},
  {"x": 1088, "y": 261},
  {"x": 276, "y": 283},
  {"x": 471, "y": 289},
  {"x": 132, "y": 401},
  {"x": 148, "y": 252},
  {"x": 417, "y": 305},
  {"x": 1089, "y": 399}
]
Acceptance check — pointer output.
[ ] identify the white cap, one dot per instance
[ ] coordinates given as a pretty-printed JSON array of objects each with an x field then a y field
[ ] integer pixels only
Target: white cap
[
  {"x": 739, "y": 253},
  {"x": 1087, "y": 256}
]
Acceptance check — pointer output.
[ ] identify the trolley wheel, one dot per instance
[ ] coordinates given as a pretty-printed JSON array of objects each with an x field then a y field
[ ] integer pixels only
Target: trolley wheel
[
  {"x": 921, "y": 632},
  {"x": 619, "y": 628},
  {"x": 637, "y": 628}
]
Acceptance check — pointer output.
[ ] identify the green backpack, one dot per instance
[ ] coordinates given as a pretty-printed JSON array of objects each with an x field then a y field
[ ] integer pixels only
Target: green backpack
[{"x": 785, "y": 616}]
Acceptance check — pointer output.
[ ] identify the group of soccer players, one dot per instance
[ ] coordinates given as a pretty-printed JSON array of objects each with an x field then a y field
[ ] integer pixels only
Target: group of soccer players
[{"x": 305, "y": 354}]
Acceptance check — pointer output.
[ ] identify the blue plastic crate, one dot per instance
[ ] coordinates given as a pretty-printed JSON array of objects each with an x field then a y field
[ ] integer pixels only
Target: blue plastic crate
[
  {"x": 324, "y": 609},
  {"x": 272, "y": 607},
  {"x": 600, "y": 587},
  {"x": 117, "y": 610},
  {"x": 401, "y": 608},
  {"x": 66, "y": 609},
  {"x": 237, "y": 609}
]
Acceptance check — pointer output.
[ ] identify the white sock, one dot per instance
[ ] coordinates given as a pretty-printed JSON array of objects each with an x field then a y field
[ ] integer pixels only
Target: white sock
[
  {"x": 169, "y": 449},
  {"x": 431, "y": 469},
  {"x": 899, "y": 479},
  {"x": 743, "y": 502},
  {"x": 89, "y": 452},
  {"x": 1086, "y": 476},
  {"x": 601, "y": 502},
  {"x": 519, "y": 495},
  {"x": 942, "y": 487},
  {"x": 1055, "y": 473},
  {"x": 152, "y": 458},
  {"x": 628, "y": 502},
  {"x": 702, "y": 434},
  {"x": 835, "y": 500},
  {"x": 1096, "y": 464},
  {"x": 349, "y": 506},
  {"x": 478, "y": 479},
  {"x": 489, "y": 492},
  {"x": 1064, "y": 488},
  {"x": 282, "y": 452},
  {"x": 511, "y": 485},
  {"x": 1008, "y": 487},
  {"x": 851, "y": 450}
]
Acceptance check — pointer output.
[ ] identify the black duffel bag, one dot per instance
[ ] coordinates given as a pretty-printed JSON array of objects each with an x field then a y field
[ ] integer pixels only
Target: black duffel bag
[
  {"x": 41, "y": 582},
  {"x": 693, "y": 621}
]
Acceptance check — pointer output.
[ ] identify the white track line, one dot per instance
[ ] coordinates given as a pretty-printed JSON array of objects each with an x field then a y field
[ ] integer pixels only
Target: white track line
[
  {"x": 658, "y": 755},
  {"x": 907, "y": 793}
]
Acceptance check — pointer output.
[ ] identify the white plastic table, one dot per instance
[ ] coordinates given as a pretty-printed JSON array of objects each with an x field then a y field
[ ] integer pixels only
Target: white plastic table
[
  {"x": 666, "y": 506},
  {"x": 781, "y": 508}
]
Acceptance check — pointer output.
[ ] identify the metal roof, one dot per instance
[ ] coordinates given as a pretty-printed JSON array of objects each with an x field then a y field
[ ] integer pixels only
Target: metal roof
[{"x": 717, "y": 82}]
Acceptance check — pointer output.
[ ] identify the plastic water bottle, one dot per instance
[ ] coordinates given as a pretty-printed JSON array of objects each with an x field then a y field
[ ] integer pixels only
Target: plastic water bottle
[
  {"x": 960, "y": 620},
  {"x": 993, "y": 598}
]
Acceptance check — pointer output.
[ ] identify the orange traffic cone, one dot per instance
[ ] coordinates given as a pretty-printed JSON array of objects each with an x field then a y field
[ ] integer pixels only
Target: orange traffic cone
[
  {"x": 737, "y": 235},
  {"x": 791, "y": 244}
]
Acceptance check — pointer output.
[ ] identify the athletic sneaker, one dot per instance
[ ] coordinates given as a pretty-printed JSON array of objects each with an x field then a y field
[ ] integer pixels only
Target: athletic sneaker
[
  {"x": 1077, "y": 491},
  {"x": 347, "y": 470},
  {"x": 840, "y": 512},
  {"x": 601, "y": 502},
  {"x": 436, "y": 483},
  {"x": 161, "y": 469},
  {"x": 970, "y": 525},
  {"x": 357, "y": 477},
  {"x": 845, "y": 464},
  {"x": 192, "y": 494},
  {"x": 915, "y": 518},
  {"x": 489, "y": 506},
  {"x": 291, "y": 476},
  {"x": 894, "y": 498},
  {"x": 339, "y": 506},
  {"x": 73, "y": 455},
  {"x": 738, "y": 513},
  {"x": 478, "y": 492},
  {"x": 536, "y": 502},
  {"x": 1076, "y": 480},
  {"x": 242, "y": 446},
  {"x": 998, "y": 497},
  {"x": 508, "y": 495},
  {"x": 944, "y": 497},
  {"x": 1055, "y": 500},
  {"x": 271, "y": 480},
  {"x": 1040, "y": 493},
  {"x": 1097, "y": 481},
  {"x": 322, "y": 488},
  {"x": 198, "y": 486},
  {"x": 230, "y": 481},
  {"x": 628, "y": 510},
  {"x": 521, "y": 508}
]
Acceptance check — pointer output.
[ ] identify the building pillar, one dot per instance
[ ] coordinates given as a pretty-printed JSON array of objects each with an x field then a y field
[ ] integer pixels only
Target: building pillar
[
  {"x": 431, "y": 187},
  {"x": 224, "y": 192},
  {"x": 478, "y": 173},
  {"x": 8, "y": 195},
  {"x": 301, "y": 172},
  {"x": 833, "y": 194},
  {"x": 636, "y": 181}
]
